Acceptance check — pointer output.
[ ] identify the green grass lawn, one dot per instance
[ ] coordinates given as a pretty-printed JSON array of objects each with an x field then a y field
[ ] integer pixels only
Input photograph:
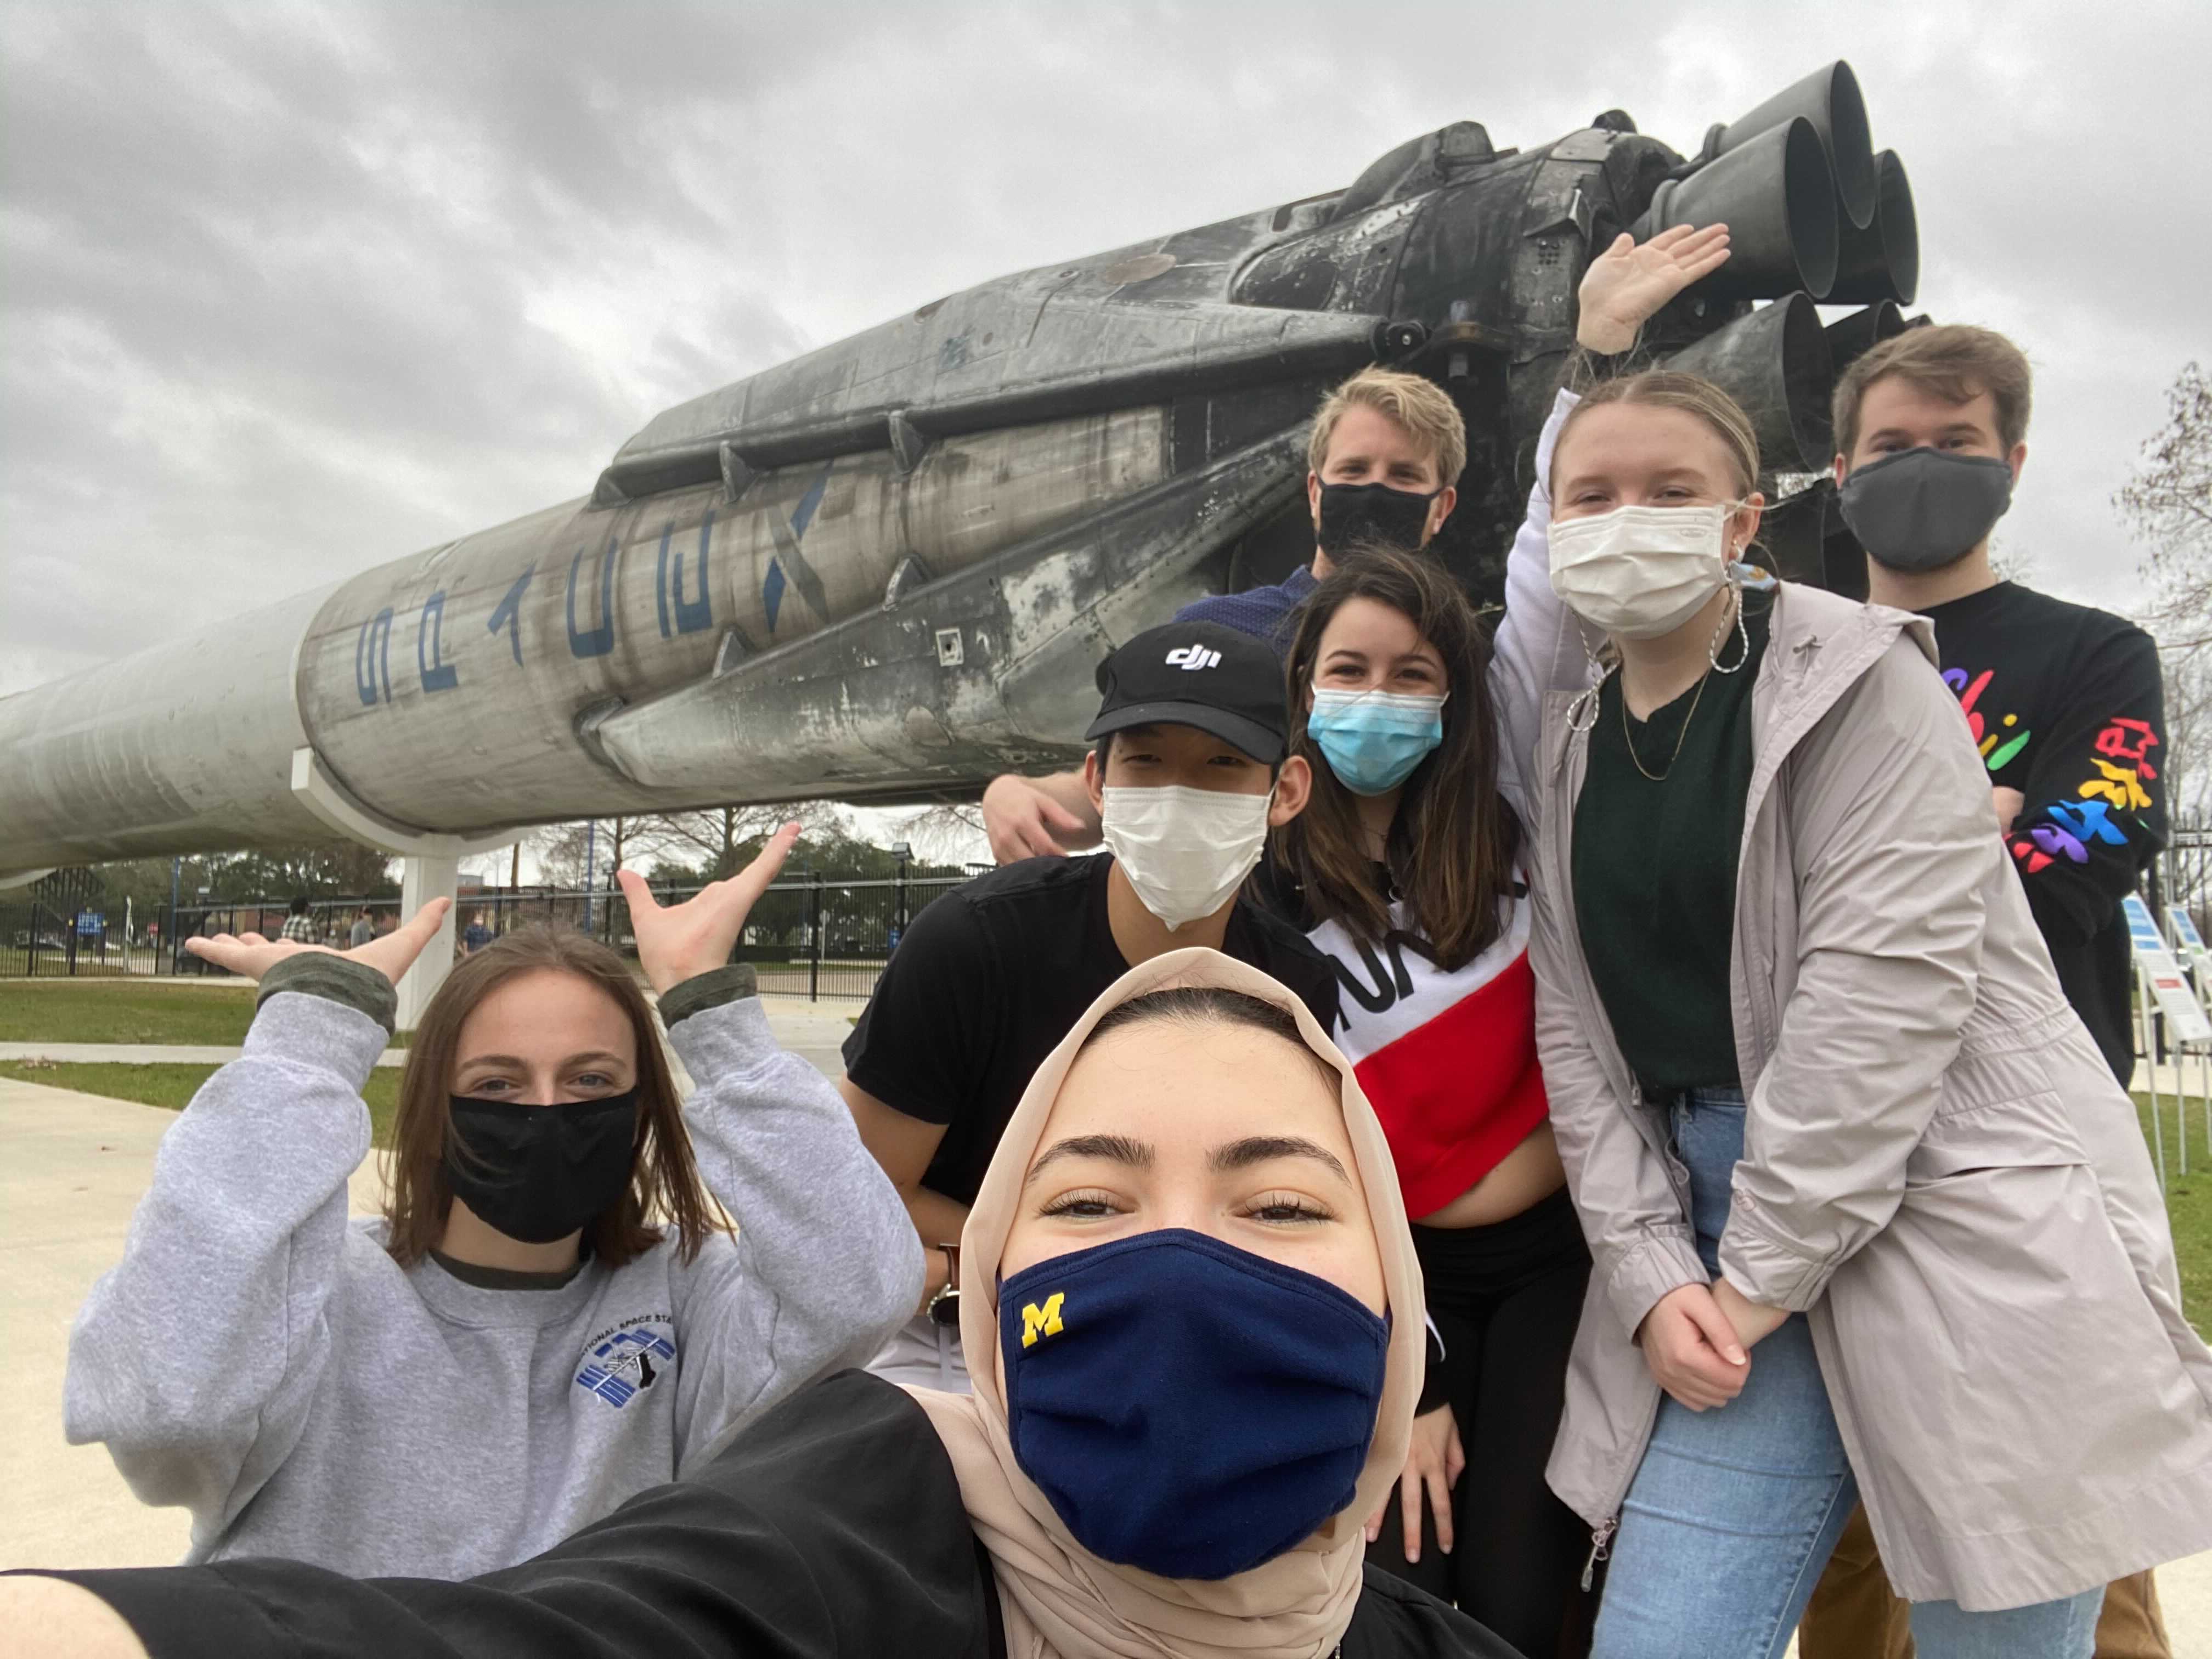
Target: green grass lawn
[
  {"x": 2189, "y": 1208},
  {"x": 122, "y": 1010},
  {"x": 112, "y": 1010},
  {"x": 172, "y": 1086}
]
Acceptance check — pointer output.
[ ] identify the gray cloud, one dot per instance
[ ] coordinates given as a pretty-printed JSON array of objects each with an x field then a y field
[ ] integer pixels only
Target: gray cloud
[{"x": 292, "y": 291}]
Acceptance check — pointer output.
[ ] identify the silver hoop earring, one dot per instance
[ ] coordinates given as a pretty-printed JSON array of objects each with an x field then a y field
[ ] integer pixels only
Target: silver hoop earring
[
  {"x": 1582, "y": 712},
  {"x": 1742, "y": 633}
]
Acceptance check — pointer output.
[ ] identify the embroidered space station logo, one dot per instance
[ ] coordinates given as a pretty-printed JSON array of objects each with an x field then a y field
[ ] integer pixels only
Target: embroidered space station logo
[{"x": 622, "y": 1364}]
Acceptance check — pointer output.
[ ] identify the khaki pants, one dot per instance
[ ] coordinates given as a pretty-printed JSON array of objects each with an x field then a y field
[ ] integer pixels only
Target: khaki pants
[{"x": 1854, "y": 1614}]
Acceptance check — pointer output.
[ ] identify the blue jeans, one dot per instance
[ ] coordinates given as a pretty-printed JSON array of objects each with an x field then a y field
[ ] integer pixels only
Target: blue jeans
[{"x": 1733, "y": 1512}]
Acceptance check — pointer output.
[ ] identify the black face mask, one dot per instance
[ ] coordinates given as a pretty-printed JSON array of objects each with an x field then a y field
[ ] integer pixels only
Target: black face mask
[
  {"x": 539, "y": 1173},
  {"x": 1920, "y": 509},
  {"x": 1353, "y": 514}
]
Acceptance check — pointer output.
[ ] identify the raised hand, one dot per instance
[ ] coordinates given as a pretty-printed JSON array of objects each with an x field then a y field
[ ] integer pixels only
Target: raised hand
[
  {"x": 252, "y": 957},
  {"x": 678, "y": 942},
  {"x": 1023, "y": 822},
  {"x": 1628, "y": 282}
]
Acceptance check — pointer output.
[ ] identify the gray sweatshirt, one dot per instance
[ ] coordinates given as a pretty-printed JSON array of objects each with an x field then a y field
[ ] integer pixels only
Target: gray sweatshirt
[{"x": 259, "y": 1359}]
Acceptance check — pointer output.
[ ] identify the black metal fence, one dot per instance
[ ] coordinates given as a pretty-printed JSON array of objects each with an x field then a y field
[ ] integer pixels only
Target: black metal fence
[
  {"x": 812, "y": 936},
  {"x": 42, "y": 940}
]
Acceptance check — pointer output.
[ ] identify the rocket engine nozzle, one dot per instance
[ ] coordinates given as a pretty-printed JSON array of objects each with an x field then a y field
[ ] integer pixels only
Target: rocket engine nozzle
[
  {"x": 1882, "y": 261},
  {"x": 1777, "y": 195},
  {"x": 1830, "y": 99},
  {"x": 1776, "y": 363}
]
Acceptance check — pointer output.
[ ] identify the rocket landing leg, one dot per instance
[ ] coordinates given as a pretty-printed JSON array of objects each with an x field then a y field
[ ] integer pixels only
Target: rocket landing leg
[
  {"x": 429, "y": 866},
  {"x": 421, "y": 880}
]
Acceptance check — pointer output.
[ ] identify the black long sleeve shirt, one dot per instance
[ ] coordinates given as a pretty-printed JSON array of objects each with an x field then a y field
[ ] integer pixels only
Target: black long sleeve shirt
[
  {"x": 2067, "y": 706},
  {"x": 833, "y": 1526}
]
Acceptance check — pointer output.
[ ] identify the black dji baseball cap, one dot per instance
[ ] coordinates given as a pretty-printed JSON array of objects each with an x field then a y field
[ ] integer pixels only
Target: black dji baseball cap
[{"x": 1198, "y": 674}]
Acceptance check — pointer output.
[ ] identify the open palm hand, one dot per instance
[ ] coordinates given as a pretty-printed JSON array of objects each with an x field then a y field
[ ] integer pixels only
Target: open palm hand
[
  {"x": 676, "y": 942},
  {"x": 1626, "y": 284},
  {"x": 252, "y": 957}
]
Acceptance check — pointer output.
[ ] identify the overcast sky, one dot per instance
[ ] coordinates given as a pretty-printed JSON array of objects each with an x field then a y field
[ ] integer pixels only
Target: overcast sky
[{"x": 294, "y": 290}]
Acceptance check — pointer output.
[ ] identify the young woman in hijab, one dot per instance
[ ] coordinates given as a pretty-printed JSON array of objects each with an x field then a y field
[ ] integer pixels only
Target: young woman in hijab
[
  {"x": 1197, "y": 1265},
  {"x": 1867, "y": 1212},
  {"x": 550, "y": 1315}
]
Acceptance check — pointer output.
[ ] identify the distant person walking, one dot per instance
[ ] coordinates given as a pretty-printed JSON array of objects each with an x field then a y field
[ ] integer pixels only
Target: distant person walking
[
  {"x": 477, "y": 935},
  {"x": 299, "y": 927},
  {"x": 363, "y": 931}
]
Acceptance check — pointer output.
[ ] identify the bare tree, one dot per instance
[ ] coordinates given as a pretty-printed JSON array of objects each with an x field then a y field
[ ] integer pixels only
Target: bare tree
[
  {"x": 2168, "y": 504},
  {"x": 715, "y": 838},
  {"x": 950, "y": 832},
  {"x": 2010, "y": 565},
  {"x": 2188, "y": 675}
]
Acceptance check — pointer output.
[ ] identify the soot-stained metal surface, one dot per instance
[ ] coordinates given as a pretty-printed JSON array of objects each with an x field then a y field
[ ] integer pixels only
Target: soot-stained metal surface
[{"x": 886, "y": 569}]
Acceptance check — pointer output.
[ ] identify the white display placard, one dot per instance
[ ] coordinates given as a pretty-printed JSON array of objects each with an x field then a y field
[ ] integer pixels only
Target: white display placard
[
  {"x": 2184, "y": 931},
  {"x": 2186, "y": 1020}
]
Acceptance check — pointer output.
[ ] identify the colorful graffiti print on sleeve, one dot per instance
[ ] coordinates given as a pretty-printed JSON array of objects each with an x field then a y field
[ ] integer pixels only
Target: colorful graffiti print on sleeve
[
  {"x": 1998, "y": 747},
  {"x": 2071, "y": 828}
]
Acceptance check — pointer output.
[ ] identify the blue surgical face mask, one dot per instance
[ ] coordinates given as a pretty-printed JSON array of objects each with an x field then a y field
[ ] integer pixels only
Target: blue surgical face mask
[
  {"x": 1373, "y": 740},
  {"x": 1188, "y": 1408}
]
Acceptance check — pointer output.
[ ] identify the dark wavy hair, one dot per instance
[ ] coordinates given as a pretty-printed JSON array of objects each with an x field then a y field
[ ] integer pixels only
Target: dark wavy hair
[{"x": 1451, "y": 847}]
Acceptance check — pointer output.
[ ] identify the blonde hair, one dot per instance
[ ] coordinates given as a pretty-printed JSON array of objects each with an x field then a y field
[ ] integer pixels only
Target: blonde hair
[
  {"x": 1955, "y": 361},
  {"x": 1421, "y": 407},
  {"x": 1690, "y": 394}
]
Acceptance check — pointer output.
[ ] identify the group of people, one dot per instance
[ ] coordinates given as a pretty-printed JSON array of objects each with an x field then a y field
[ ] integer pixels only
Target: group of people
[
  {"x": 300, "y": 926},
  {"x": 1538, "y": 1140}
]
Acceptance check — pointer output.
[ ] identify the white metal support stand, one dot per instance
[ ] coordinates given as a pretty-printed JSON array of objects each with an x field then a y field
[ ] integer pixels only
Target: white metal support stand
[
  {"x": 2148, "y": 1009},
  {"x": 430, "y": 868},
  {"x": 421, "y": 880}
]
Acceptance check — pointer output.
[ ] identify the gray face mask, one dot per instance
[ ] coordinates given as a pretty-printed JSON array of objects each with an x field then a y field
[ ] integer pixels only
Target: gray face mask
[{"x": 1920, "y": 509}]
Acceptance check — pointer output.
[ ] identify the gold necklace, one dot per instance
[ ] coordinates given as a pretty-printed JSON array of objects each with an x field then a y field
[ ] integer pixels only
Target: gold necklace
[{"x": 1629, "y": 738}]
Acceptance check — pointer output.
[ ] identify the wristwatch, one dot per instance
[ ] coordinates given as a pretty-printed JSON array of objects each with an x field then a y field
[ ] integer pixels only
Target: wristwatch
[{"x": 944, "y": 1307}]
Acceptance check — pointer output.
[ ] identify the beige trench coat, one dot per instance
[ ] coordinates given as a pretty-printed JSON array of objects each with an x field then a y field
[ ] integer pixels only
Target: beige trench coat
[{"x": 1938, "y": 1167}]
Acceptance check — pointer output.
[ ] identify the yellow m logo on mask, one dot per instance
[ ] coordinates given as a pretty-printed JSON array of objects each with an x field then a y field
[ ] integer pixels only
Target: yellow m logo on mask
[{"x": 1041, "y": 1321}]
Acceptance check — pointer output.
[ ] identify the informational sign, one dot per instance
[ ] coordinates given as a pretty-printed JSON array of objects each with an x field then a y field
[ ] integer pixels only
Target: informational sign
[
  {"x": 2186, "y": 1020},
  {"x": 2185, "y": 932},
  {"x": 90, "y": 924}
]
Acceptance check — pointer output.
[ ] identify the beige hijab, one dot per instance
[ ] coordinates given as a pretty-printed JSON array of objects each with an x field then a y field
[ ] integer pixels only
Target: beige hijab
[{"x": 1059, "y": 1601}]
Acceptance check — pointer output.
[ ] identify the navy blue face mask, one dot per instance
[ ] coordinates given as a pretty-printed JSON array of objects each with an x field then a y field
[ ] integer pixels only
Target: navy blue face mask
[{"x": 1190, "y": 1408}]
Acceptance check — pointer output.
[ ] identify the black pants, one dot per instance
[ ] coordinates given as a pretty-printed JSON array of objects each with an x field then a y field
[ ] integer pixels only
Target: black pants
[{"x": 1505, "y": 1299}]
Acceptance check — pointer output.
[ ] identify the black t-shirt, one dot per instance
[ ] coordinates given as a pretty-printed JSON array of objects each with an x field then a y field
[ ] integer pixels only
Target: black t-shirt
[
  {"x": 988, "y": 980},
  {"x": 1655, "y": 870},
  {"x": 831, "y": 1528},
  {"x": 2066, "y": 706}
]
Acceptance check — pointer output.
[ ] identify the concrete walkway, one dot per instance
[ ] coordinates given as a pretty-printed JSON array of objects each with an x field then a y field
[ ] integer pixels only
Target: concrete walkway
[
  {"x": 144, "y": 1053},
  {"x": 73, "y": 1170}
]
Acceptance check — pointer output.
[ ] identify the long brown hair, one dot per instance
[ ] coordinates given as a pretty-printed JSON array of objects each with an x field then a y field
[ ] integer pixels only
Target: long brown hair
[
  {"x": 664, "y": 1179},
  {"x": 1450, "y": 847}
]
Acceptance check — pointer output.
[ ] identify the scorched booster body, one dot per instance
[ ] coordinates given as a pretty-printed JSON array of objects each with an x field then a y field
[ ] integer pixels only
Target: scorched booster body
[{"x": 886, "y": 569}]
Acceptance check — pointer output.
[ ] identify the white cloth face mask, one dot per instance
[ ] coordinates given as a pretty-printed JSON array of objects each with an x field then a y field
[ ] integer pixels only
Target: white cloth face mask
[
  {"x": 1185, "y": 851},
  {"x": 1639, "y": 572}
]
